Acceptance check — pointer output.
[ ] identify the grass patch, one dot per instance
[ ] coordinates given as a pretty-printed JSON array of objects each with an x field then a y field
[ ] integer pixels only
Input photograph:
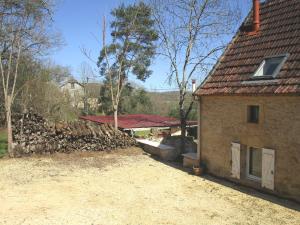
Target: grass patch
[
  {"x": 142, "y": 133},
  {"x": 3, "y": 142}
]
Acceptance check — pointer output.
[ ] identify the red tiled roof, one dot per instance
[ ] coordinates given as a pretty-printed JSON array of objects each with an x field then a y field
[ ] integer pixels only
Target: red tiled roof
[
  {"x": 138, "y": 121},
  {"x": 279, "y": 34}
]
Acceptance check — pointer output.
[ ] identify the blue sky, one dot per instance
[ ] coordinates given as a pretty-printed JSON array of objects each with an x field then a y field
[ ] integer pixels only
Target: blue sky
[{"x": 79, "y": 22}]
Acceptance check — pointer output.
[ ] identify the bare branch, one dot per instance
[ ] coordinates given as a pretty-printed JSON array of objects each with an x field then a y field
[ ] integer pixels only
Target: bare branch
[
  {"x": 87, "y": 54},
  {"x": 191, "y": 32}
]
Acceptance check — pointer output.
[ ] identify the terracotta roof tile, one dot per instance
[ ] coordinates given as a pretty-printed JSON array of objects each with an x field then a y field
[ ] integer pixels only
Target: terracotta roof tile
[{"x": 279, "y": 34}]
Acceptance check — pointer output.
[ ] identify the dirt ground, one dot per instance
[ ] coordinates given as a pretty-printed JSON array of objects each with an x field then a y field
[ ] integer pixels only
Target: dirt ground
[{"x": 127, "y": 187}]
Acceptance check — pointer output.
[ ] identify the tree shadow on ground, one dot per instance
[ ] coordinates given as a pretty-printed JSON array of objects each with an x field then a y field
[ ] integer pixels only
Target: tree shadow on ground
[{"x": 291, "y": 204}]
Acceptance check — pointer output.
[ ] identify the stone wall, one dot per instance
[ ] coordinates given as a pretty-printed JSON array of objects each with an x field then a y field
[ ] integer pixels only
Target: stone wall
[
  {"x": 175, "y": 141},
  {"x": 224, "y": 120}
]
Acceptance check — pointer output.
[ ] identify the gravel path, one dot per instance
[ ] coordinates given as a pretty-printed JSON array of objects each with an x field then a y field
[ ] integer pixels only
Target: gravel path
[{"x": 126, "y": 187}]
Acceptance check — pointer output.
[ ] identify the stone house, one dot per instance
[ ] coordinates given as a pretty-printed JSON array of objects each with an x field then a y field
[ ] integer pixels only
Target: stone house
[
  {"x": 249, "y": 105},
  {"x": 92, "y": 95},
  {"x": 75, "y": 90},
  {"x": 78, "y": 91}
]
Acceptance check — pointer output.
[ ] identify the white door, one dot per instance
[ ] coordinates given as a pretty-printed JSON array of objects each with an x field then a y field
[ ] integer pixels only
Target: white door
[
  {"x": 235, "y": 160},
  {"x": 268, "y": 159}
]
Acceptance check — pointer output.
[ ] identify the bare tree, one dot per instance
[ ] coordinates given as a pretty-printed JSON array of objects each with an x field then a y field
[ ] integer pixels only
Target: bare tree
[
  {"x": 23, "y": 31},
  {"x": 40, "y": 91},
  {"x": 191, "y": 34},
  {"x": 86, "y": 73}
]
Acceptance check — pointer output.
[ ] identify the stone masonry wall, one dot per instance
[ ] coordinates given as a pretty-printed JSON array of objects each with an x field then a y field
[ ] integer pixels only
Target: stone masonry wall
[{"x": 224, "y": 120}]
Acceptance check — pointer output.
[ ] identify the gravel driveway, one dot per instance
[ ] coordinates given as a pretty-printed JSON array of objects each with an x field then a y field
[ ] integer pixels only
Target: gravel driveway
[{"x": 126, "y": 187}]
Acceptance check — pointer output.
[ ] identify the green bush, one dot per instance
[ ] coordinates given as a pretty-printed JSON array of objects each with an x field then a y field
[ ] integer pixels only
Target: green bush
[{"x": 142, "y": 133}]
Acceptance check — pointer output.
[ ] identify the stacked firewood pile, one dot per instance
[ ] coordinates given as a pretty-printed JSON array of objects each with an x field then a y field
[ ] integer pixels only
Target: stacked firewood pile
[{"x": 34, "y": 134}]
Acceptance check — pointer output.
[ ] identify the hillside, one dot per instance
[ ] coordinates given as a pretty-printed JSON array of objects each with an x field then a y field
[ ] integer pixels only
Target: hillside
[{"x": 165, "y": 102}]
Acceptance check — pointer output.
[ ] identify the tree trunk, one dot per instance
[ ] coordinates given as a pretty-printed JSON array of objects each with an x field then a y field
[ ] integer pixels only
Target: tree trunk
[
  {"x": 183, "y": 134},
  {"x": 9, "y": 127},
  {"x": 116, "y": 117},
  {"x": 182, "y": 125}
]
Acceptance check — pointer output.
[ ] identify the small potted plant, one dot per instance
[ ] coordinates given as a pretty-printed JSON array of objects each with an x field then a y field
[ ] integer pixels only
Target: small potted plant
[{"x": 198, "y": 170}]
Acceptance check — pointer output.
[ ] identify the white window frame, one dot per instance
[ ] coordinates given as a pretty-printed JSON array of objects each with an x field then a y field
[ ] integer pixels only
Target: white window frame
[
  {"x": 250, "y": 176},
  {"x": 275, "y": 73}
]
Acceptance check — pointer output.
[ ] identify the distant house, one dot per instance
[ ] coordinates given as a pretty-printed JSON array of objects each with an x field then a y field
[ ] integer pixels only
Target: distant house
[
  {"x": 75, "y": 91},
  {"x": 78, "y": 92},
  {"x": 249, "y": 105},
  {"x": 93, "y": 94}
]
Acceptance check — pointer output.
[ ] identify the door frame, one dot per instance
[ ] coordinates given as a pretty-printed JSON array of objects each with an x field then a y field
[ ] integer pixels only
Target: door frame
[{"x": 248, "y": 175}]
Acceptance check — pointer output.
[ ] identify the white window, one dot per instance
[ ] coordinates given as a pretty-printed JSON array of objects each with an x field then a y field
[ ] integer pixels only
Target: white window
[
  {"x": 254, "y": 163},
  {"x": 72, "y": 85},
  {"x": 270, "y": 67}
]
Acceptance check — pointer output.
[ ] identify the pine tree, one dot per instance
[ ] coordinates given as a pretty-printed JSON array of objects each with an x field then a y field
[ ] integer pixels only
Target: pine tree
[{"x": 131, "y": 50}]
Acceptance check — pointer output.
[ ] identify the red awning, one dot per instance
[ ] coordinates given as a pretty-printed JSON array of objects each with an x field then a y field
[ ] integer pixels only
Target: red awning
[{"x": 138, "y": 121}]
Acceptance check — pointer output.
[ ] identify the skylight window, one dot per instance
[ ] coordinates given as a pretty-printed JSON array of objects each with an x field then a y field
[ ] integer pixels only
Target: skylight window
[{"x": 270, "y": 67}]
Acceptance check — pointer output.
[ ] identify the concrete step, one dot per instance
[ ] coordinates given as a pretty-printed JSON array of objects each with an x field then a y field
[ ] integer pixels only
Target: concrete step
[
  {"x": 165, "y": 152},
  {"x": 190, "y": 159}
]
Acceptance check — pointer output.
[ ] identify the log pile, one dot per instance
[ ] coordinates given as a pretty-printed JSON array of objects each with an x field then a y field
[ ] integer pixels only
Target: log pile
[{"x": 34, "y": 134}]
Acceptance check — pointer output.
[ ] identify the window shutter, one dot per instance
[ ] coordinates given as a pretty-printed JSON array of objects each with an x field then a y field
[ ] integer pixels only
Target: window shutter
[
  {"x": 235, "y": 160},
  {"x": 268, "y": 160}
]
